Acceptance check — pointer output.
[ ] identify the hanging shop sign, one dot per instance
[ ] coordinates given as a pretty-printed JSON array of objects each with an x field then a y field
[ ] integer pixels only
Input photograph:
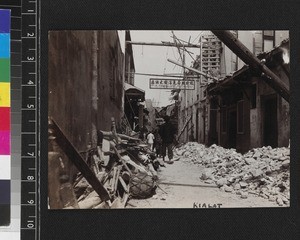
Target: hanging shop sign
[{"x": 163, "y": 83}]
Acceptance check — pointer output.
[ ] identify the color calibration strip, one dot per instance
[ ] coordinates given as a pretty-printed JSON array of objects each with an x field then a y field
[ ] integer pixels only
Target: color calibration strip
[{"x": 5, "y": 163}]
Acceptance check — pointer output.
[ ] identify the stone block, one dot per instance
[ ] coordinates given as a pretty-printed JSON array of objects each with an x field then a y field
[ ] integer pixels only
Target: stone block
[
  {"x": 221, "y": 182},
  {"x": 279, "y": 201},
  {"x": 256, "y": 173},
  {"x": 272, "y": 198},
  {"x": 244, "y": 195},
  {"x": 249, "y": 161},
  {"x": 237, "y": 186},
  {"x": 243, "y": 184},
  {"x": 284, "y": 199},
  {"x": 257, "y": 155},
  {"x": 206, "y": 174},
  {"x": 227, "y": 188},
  {"x": 285, "y": 164}
]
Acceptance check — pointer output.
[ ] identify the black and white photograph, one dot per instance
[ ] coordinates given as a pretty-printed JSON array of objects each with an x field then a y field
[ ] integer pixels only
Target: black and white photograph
[{"x": 168, "y": 119}]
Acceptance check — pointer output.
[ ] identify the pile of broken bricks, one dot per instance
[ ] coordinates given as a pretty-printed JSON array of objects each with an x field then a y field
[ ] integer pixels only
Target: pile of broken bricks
[{"x": 261, "y": 171}]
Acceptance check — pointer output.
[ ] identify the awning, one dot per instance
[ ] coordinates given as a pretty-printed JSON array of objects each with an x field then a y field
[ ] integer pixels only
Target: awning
[
  {"x": 273, "y": 58},
  {"x": 135, "y": 92},
  {"x": 227, "y": 81}
]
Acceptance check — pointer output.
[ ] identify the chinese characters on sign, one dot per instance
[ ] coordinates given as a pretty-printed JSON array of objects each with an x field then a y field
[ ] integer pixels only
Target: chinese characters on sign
[{"x": 158, "y": 83}]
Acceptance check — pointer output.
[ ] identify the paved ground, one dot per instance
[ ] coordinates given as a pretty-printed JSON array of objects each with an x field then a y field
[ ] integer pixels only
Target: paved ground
[{"x": 181, "y": 187}]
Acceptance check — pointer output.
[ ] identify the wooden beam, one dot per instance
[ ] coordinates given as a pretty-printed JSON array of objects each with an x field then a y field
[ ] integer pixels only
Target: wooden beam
[
  {"x": 193, "y": 69},
  {"x": 164, "y": 75},
  {"x": 164, "y": 44},
  {"x": 78, "y": 161},
  {"x": 237, "y": 47}
]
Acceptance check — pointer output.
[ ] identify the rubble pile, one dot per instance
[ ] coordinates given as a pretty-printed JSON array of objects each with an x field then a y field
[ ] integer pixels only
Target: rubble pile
[
  {"x": 118, "y": 168},
  {"x": 261, "y": 171},
  {"x": 129, "y": 172}
]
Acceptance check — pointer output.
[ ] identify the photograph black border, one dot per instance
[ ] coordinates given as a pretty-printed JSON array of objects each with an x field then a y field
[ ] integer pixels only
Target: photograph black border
[{"x": 245, "y": 223}]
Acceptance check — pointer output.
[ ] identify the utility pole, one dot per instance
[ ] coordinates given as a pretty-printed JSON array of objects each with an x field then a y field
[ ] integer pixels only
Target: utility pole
[
  {"x": 185, "y": 94},
  {"x": 165, "y": 75},
  {"x": 194, "y": 70},
  {"x": 184, "y": 77},
  {"x": 124, "y": 75},
  {"x": 94, "y": 99}
]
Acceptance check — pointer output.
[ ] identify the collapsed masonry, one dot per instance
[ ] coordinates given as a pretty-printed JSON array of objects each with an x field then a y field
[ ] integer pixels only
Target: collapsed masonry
[{"x": 261, "y": 171}]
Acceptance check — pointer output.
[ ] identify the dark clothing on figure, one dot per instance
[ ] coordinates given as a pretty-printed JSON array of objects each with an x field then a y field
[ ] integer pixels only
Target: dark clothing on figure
[
  {"x": 157, "y": 143},
  {"x": 168, "y": 146},
  {"x": 167, "y": 132}
]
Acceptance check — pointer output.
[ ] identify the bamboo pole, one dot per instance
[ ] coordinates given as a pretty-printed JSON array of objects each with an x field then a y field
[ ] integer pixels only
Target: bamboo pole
[
  {"x": 164, "y": 44},
  {"x": 193, "y": 69}
]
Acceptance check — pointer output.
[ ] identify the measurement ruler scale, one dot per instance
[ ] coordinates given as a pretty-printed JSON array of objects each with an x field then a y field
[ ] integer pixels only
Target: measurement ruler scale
[
  {"x": 12, "y": 117},
  {"x": 29, "y": 113}
]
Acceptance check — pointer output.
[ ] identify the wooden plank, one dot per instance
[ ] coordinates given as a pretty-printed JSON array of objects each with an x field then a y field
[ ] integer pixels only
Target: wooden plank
[
  {"x": 126, "y": 188},
  {"x": 182, "y": 130},
  {"x": 53, "y": 180},
  {"x": 76, "y": 158}
]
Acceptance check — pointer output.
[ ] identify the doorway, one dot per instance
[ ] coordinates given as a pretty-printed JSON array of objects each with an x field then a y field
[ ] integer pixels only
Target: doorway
[
  {"x": 213, "y": 133},
  {"x": 232, "y": 126},
  {"x": 270, "y": 125}
]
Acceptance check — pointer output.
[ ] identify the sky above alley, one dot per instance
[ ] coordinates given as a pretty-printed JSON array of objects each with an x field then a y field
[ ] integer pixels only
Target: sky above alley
[{"x": 153, "y": 59}]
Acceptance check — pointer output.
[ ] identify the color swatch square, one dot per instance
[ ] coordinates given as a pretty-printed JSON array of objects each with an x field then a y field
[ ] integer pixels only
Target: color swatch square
[
  {"x": 5, "y": 218},
  {"x": 4, "y": 143},
  {"x": 4, "y": 191},
  {"x": 4, "y": 118},
  {"x": 4, "y": 94},
  {"x": 4, "y": 20},
  {"x": 4, "y": 45},
  {"x": 5, "y": 162},
  {"x": 4, "y": 70}
]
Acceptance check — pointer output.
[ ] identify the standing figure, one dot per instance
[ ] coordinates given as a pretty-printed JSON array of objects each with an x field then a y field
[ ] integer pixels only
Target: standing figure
[
  {"x": 167, "y": 132},
  {"x": 150, "y": 140},
  {"x": 157, "y": 143}
]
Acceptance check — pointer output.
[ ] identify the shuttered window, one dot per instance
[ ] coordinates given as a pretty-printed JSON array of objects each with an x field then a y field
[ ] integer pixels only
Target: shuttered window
[{"x": 268, "y": 40}]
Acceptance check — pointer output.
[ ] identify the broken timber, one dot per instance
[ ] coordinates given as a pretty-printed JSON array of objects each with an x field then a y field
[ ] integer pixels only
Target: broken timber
[
  {"x": 193, "y": 70},
  {"x": 236, "y": 46},
  {"x": 78, "y": 161},
  {"x": 185, "y": 125}
]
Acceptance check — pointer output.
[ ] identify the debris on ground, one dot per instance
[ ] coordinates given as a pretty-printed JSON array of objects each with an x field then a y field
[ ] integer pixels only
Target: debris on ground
[
  {"x": 261, "y": 171},
  {"x": 118, "y": 168}
]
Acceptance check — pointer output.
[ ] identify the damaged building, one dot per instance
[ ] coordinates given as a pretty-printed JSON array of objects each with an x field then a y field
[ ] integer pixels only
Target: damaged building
[
  {"x": 240, "y": 110},
  {"x": 251, "y": 113},
  {"x": 91, "y": 94},
  {"x": 89, "y": 83},
  {"x": 81, "y": 99}
]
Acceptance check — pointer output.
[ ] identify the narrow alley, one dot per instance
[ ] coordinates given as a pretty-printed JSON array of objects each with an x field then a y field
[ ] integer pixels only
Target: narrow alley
[
  {"x": 168, "y": 119},
  {"x": 190, "y": 182}
]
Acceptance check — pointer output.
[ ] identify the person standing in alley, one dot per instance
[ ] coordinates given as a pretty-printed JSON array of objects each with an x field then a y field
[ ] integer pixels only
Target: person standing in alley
[
  {"x": 167, "y": 132},
  {"x": 150, "y": 140},
  {"x": 157, "y": 143}
]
